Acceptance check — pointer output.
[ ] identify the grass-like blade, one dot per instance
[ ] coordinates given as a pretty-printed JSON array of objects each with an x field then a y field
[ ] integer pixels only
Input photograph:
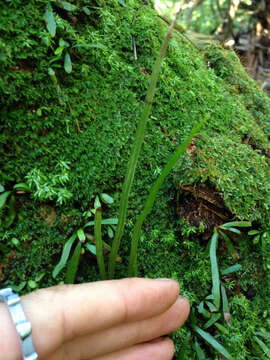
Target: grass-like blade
[
  {"x": 64, "y": 256},
  {"x": 213, "y": 342},
  {"x": 132, "y": 270},
  {"x": 49, "y": 19},
  {"x": 3, "y": 198},
  {"x": 222, "y": 328},
  {"x": 91, "y": 248},
  {"x": 213, "y": 320},
  {"x": 225, "y": 306},
  {"x": 22, "y": 187},
  {"x": 139, "y": 136},
  {"x": 262, "y": 345},
  {"x": 98, "y": 239},
  {"x": 73, "y": 265},
  {"x": 236, "y": 231},
  {"x": 81, "y": 235},
  {"x": 231, "y": 269},
  {"x": 236, "y": 223},
  {"x": 265, "y": 335},
  {"x": 214, "y": 269},
  {"x": 199, "y": 351},
  {"x": 229, "y": 245},
  {"x": 11, "y": 211},
  {"x": 109, "y": 221},
  {"x": 203, "y": 311}
]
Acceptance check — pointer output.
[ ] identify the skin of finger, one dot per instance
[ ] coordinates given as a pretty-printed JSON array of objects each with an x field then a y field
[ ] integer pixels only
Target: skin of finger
[
  {"x": 160, "y": 350},
  {"x": 125, "y": 335},
  {"x": 71, "y": 311},
  {"x": 10, "y": 348}
]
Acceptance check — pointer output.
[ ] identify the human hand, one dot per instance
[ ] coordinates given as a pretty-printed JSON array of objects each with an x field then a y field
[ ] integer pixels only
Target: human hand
[{"x": 106, "y": 320}]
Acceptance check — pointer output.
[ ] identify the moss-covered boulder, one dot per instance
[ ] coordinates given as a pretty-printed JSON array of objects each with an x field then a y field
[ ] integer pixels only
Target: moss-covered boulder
[{"x": 72, "y": 91}]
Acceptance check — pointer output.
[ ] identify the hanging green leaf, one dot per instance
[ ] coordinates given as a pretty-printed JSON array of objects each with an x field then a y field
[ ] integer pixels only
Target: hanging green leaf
[
  {"x": 121, "y": 2},
  {"x": 2, "y": 188},
  {"x": 64, "y": 256},
  {"x": 67, "y": 63},
  {"x": 3, "y": 198},
  {"x": 73, "y": 265},
  {"x": 86, "y": 10},
  {"x": 97, "y": 203},
  {"x": 236, "y": 231},
  {"x": 213, "y": 342},
  {"x": 98, "y": 239},
  {"x": 214, "y": 269},
  {"x": 214, "y": 318},
  {"x": 262, "y": 345},
  {"x": 66, "y": 5},
  {"x": 254, "y": 232},
  {"x": 229, "y": 245},
  {"x": 110, "y": 232},
  {"x": 32, "y": 284},
  {"x": 11, "y": 211},
  {"x": 199, "y": 351},
  {"x": 50, "y": 22},
  {"x": 211, "y": 306},
  {"x": 81, "y": 235},
  {"x": 236, "y": 223},
  {"x": 110, "y": 221},
  {"x": 203, "y": 311},
  {"x": 231, "y": 269},
  {"x": 222, "y": 328},
  {"x": 59, "y": 50},
  {"x": 265, "y": 335},
  {"x": 91, "y": 248},
  {"x": 22, "y": 187},
  {"x": 225, "y": 306},
  {"x": 107, "y": 199}
]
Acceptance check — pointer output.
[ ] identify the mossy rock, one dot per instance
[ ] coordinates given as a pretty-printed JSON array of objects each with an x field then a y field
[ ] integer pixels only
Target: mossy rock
[{"x": 69, "y": 136}]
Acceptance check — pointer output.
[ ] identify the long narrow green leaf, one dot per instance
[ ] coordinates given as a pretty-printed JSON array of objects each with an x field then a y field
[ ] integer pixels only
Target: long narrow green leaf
[
  {"x": 231, "y": 269},
  {"x": 214, "y": 269},
  {"x": 222, "y": 328},
  {"x": 213, "y": 342},
  {"x": 81, "y": 235},
  {"x": 228, "y": 243},
  {"x": 199, "y": 351},
  {"x": 98, "y": 239},
  {"x": 136, "y": 151},
  {"x": 64, "y": 256},
  {"x": 153, "y": 193},
  {"x": 92, "y": 248},
  {"x": 3, "y": 198},
  {"x": 225, "y": 306},
  {"x": 262, "y": 345},
  {"x": 265, "y": 335},
  {"x": 236, "y": 231},
  {"x": 203, "y": 311},
  {"x": 236, "y": 223},
  {"x": 67, "y": 63},
  {"x": 73, "y": 265},
  {"x": 11, "y": 211},
  {"x": 214, "y": 318},
  {"x": 22, "y": 186},
  {"x": 110, "y": 221},
  {"x": 49, "y": 19}
]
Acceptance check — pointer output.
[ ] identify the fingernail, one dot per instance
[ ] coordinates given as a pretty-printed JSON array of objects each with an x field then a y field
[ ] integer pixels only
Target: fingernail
[{"x": 166, "y": 279}]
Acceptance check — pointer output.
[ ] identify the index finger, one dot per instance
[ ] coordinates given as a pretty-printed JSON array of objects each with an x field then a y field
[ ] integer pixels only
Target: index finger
[{"x": 61, "y": 313}]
